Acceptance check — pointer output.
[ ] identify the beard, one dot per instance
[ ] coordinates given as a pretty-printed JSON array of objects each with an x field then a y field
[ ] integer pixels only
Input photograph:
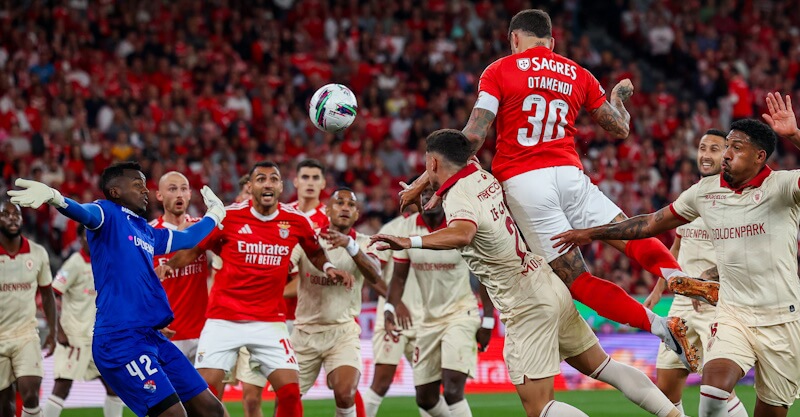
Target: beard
[
  {"x": 727, "y": 177},
  {"x": 9, "y": 234}
]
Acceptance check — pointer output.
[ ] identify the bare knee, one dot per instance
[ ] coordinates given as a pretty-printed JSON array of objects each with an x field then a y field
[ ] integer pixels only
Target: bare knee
[
  {"x": 62, "y": 387},
  {"x": 383, "y": 378},
  {"x": 722, "y": 374},
  {"x": 252, "y": 404},
  {"x": 454, "y": 386},
  {"x": 28, "y": 387},
  {"x": 345, "y": 398},
  {"x": 427, "y": 395}
]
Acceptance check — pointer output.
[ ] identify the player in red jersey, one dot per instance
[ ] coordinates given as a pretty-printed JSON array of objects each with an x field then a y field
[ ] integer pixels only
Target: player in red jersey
[
  {"x": 245, "y": 307},
  {"x": 187, "y": 291},
  {"x": 535, "y": 95}
]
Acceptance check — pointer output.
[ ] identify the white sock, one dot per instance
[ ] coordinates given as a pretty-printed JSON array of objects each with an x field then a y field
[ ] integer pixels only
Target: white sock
[
  {"x": 658, "y": 325},
  {"x": 346, "y": 412},
  {"x": 713, "y": 402},
  {"x": 559, "y": 409},
  {"x": 636, "y": 386},
  {"x": 112, "y": 407},
  {"x": 438, "y": 410},
  {"x": 423, "y": 413},
  {"x": 460, "y": 409},
  {"x": 372, "y": 402},
  {"x": 736, "y": 407},
  {"x": 679, "y": 406},
  {"x": 31, "y": 412},
  {"x": 53, "y": 406}
]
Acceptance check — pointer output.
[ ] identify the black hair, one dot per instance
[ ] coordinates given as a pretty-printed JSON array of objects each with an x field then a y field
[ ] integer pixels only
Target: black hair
[
  {"x": 451, "y": 144},
  {"x": 113, "y": 172},
  {"x": 311, "y": 163},
  {"x": 263, "y": 164},
  {"x": 759, "y": 133},
  {"x": 716, "y": 132},
  {"x": 534, "y": 22},
  {"x": 343, "y": 189}
]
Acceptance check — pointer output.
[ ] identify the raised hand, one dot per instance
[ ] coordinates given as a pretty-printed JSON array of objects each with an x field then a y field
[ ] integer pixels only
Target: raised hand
[
  {"x": 386, "y": 242},
  {"x": 214, "y": 206},
  {"x": 623, "y": 90},
  {"x": 781, "y": 117},
  {"x": 571, "y": 239}
]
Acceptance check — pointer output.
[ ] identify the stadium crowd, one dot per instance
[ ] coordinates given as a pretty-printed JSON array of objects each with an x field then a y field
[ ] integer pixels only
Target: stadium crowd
[{"x": 207, "y": 90}]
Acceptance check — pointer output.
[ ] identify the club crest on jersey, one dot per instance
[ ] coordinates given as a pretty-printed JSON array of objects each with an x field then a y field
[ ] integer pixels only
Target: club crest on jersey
[
  {"x": 523, "y": 63},
  {"x": 29, "y": 265},
  {"x": 758, "y": 195},
  {"x": 283, "y": 229},
  {"x": 150, "y": 386}
]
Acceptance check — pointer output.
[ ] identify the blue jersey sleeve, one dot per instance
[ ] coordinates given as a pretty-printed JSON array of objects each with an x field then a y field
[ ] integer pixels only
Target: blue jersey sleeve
[
  {"x": 90, "y": 215},
  {"x": 167, "y": 240}
]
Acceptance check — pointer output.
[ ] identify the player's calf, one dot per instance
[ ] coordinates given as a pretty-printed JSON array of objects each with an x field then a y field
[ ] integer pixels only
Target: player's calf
[
  {"x": 344, "y": 382},
  {"x": 204, "y": 404}
]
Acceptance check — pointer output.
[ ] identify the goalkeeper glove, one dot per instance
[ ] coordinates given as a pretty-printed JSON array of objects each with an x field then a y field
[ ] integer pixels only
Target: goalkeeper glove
[
  {"x": 215, "y": 208},
  {"x": 33, "y": 194}
]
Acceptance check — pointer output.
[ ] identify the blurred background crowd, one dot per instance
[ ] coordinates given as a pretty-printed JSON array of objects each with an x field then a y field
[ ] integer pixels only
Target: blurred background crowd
[{"x": 208, "y": 88}]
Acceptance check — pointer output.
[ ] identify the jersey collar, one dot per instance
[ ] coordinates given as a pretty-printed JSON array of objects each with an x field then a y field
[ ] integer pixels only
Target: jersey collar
[
  {"x": 421, "y": 223},
  {"x": 24, "y": 247},
  {"x": 754, "y": 182},
  {"x": 464, "y": 172},
  {"x": 262, "y": 217}
]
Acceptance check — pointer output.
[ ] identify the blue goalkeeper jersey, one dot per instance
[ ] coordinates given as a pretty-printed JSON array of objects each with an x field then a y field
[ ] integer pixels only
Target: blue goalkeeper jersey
[{"x": 129, "y": 294}]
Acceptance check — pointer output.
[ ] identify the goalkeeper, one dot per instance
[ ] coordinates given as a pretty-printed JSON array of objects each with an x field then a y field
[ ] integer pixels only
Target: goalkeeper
[{"x": 148, "y": 372}]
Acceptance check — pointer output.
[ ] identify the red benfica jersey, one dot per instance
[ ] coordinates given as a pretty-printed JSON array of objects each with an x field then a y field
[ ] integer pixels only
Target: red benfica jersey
[
  {"x": 187, "y": 290},
  {"x": 540, "y": 94},
  {"x": 319, "y": 220},
  {"x": 255, "y": 251}
]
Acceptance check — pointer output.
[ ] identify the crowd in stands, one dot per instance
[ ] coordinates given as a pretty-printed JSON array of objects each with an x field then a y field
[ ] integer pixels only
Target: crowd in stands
[{"x": 208, "y": 88}]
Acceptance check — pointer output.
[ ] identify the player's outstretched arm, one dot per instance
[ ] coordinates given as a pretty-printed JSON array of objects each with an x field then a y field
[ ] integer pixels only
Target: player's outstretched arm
[
  {"x": 456, "y": 235},
  {"x": 612, "y": 116},
  {"x": 33, "y": 194},
  {"x": 320, "y": 260},
  {"x": 184, "y": 257},
  {"x": 194, "y": 234},
  {"x": 639, "y": 227},
  {"x": 781, "y": 118}
]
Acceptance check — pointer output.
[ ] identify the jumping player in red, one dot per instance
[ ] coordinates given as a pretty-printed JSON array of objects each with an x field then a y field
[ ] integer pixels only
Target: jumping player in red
[
  {"x": 245, "y": 307},
  {"x": 536, "y": 95},
  {"x": 187, "y": 290}
]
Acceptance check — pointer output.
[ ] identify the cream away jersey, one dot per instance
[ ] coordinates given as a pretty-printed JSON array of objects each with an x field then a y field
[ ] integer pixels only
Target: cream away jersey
[
  {"x": 754, "y": 231},
  {"x": 442, "y": 276},
  {"x": 411, "y": 296},
  {"x": 75, "y": 282},
  {"x": 21, "y": 275},
  {"x": 497, "y": 254},
  {"x": 321, "y": 302},
  {"x": 696, "y": 254}
]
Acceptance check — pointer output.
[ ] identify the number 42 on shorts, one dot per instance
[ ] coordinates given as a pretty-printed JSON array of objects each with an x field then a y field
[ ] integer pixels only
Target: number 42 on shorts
[{"x": 135, "y": 370}]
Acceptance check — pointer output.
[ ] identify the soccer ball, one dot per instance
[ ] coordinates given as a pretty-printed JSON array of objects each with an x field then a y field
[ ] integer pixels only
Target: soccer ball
[{"x": 333, "y": 108}]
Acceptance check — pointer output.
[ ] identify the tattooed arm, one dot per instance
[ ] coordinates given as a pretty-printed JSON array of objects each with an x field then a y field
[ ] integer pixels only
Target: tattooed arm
[
  {"x": 613, "y": 116},
  {"x": 639, "y": 227},
  {"x": 477, "y": 127}
]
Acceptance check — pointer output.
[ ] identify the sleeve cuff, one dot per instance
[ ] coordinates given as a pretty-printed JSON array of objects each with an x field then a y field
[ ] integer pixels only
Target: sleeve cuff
[{"x": 675, "y": 213}]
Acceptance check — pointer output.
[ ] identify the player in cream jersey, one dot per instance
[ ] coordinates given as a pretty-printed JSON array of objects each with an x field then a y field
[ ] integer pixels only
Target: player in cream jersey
[
  {"x": 73, "y": 355},
  {"x": 542, "y": 325},
  {"x": 752, "y": 215},
  {"x": 325, "y": 333},
  {"x": 24, "y": 271},
  {"x": 388, "y": 347},
  {"x": 446, "y": 351},
  {"x": 695, "y": 253}
]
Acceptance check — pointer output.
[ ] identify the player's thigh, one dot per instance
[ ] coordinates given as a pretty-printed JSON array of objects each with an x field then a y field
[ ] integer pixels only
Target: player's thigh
[
  {"x": 129, "y": 363},
  {"x": 531, "y": 344},
  {"x": 730, "y": 340},
  {"x": 247, "y": 370},
  {"x": 537, "y": 212},
  {"x": 6, "y": 374},
  {"x": 219, "y": 344},
  {"x": 342, "y": 348},
  {"x": 583, "y": 203},
  {"x": 777, "y": 366},
  {"x": 699, "y": 332},
  {"x": 184, "y": 377},
  {"x": 574, "y": 334},
  {"x": 427, "y": 357},
  {"x": 26, "y": 356},
  {"x": 459, "y": 347},
  {"x": 535, "y": 394},
  {"x": 74, "y": 362},
  {"x": 270, "y": 347},
  {"x": 307, "y": 349}
]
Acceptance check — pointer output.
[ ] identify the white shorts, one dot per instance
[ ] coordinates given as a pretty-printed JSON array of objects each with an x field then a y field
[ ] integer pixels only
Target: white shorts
[
  {"x": 268, "y": 343},
  {"x": 188, "y": 347},
  {"x": 74, "y": 363},
  {"x": 548, "y": 201}
]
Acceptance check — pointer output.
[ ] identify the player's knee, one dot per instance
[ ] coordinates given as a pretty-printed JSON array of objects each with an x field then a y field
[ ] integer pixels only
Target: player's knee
[
  {"x": 251, "y": 403},
  {"x": 722, "y": 374},
  {"x": 381, "y": 385},
  {"x": 453, "y": 393},
  {"x": 427, "y": 399},
  {"x": 62, "y": 387},
  {"x": 345, "y": 398}
]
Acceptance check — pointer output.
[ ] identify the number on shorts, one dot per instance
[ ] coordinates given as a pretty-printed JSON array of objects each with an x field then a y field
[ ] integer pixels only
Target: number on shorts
[
  {"x": 520, "y": 246},
  {"x": 416, "y": 354},
  {"x": 539, "y": 130},
  {"x": 287, "y": 345},
  {"x": 134, "y": 370}
]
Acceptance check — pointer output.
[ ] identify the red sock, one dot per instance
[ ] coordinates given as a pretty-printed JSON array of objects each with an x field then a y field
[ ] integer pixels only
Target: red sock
[
  {"x": 653, "y": 256},
  {"x": 289, "y": 404},
  {"x": 18, "y": 410},
  {"x": 213, "y": 391},
  {"x": 609, "y": 300},
  {"x": 360, "y": 410}
]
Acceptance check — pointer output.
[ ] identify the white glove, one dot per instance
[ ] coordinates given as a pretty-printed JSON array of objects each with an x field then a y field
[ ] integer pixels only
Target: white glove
[
  {"x": 33, "y": 194},
  {"x": 215, "y": 208}
]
